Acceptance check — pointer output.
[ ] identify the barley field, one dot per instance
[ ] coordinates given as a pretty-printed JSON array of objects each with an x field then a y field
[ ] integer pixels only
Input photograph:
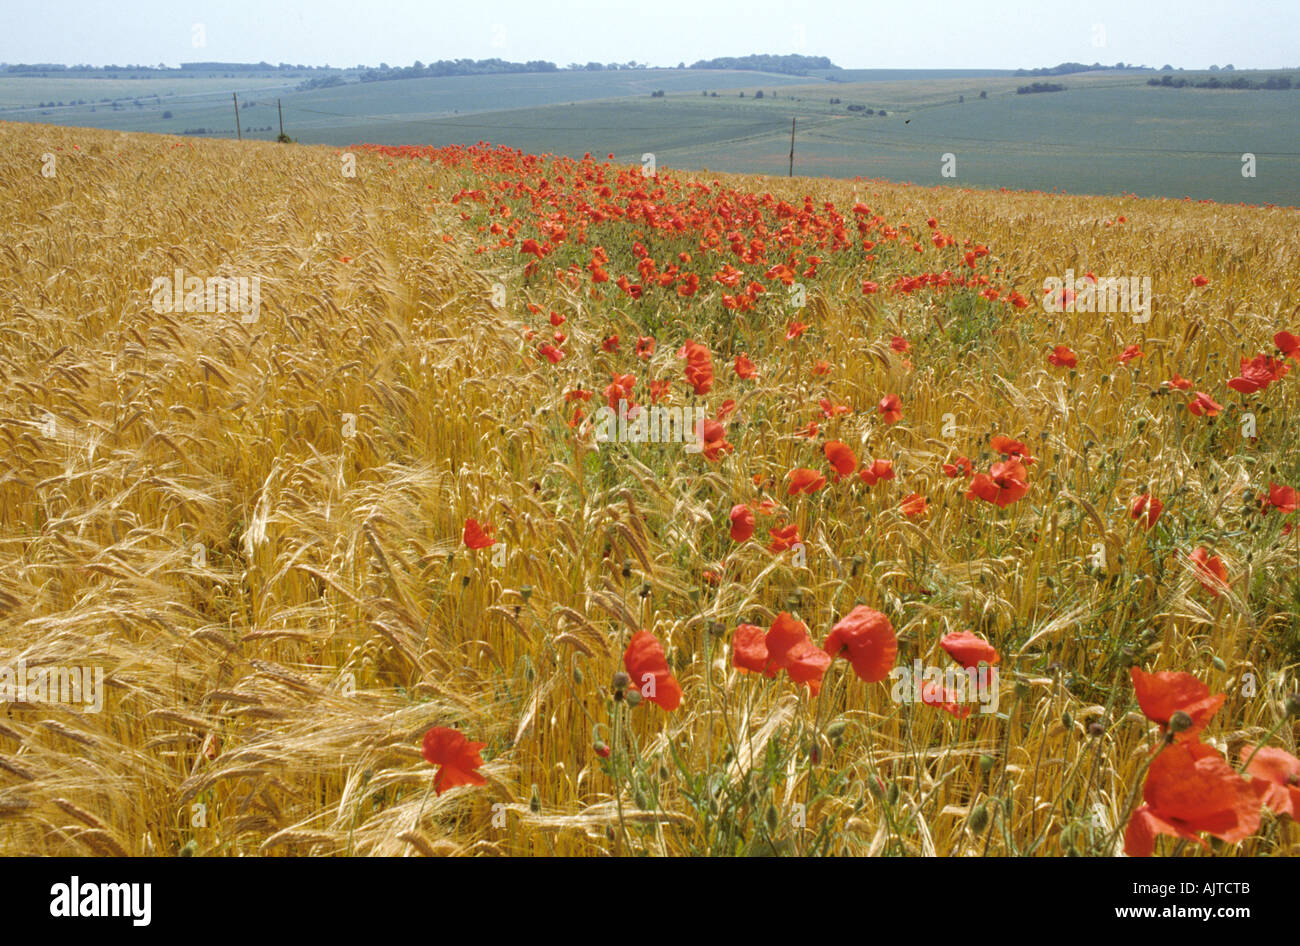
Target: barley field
[{"x": 367, "y": 569}]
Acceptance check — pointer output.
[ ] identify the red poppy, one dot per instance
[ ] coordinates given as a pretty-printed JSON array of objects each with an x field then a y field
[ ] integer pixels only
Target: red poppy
[
  {"x": 715, "y": 439},
  {"x": 610, "y": 344},
  {"x": 912, "y": 505},
  {"x": 1013, "y": 449},
  {"x": 1190, "y": 789},
  {"x": 745, "y": 368},
  {"x": 648, "y": 668},
  {"x": 476, "y": 536},
  {"x": 1179, "y": 382},
  {"x": 1275, "y": 774},
  {"x": 877, "y": 471},
  {"x": 868, "y": 287},
  {"x": 1287, "y": 344},
  {"x": 457, "y": 756},
  {"x": 784, "y": 537},
  {"x": 841, "y": 457},
  {"x": 1148, "y": 505},
  {"x": 1128, "y": 354},
  {"x": 749, "y": 648},
  {"x": 938, "y": 696},
  {"x": 822, "y": 367},
  {"x": 830, "y": 409},
  {"x": 794, "y": 330},
  {"x": 961, "y": 466},
  {"x": 1204, "y": 405},
  {"x": 742, "y": 522},
  {"x": 1002, "y": 485},
  {"x": 804, "y": 480},
  {"x": 1162, "y": 694},
  {"x": 645, "y": 346},
  {"x": 789, "y": 648},
  {"x": 1200, "y": 280},
  {"x": 1062, "y": 357},
  {"x": 969, "y": 649},
  {"x": 1258, "y": 373},
  {"x": 900, "y": 344},
  {"x": 551, "y": 353},
  {"x": 1284, "y": 498},
  {"x": 870, "y": 641},
  {"x": 1210, "y": 571},
  {"x": 891, "y": 409}
]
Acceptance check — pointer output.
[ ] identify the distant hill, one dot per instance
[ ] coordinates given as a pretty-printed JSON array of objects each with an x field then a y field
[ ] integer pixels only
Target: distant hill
[{"x": 793, "y": 64}]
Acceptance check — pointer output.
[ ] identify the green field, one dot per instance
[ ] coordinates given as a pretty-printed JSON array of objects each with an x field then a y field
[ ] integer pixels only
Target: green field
[{"x": 1108, "y": 132}]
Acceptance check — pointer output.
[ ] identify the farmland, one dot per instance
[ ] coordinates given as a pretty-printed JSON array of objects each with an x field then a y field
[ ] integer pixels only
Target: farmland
[
  {"x": 363, "y": 578},
  {"x": 1108, "y": 132}
]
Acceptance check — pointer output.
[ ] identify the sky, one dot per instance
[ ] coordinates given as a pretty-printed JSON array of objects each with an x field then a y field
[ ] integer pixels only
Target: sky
[{"x": 862, "y": 34}]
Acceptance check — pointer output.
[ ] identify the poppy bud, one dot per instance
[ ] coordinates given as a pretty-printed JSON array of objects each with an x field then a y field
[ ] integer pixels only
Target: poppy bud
[
  {"x": 1293, "y": 704},
  {"x": 464, "y": 581},
  {"x": 986, "y": 764},
  {"x": 633, "y": 697},
  {"x": 892, "y": 794},
  {"x": 534, "y": 801},
  {"x": 1067, "y": 720},
  {"x": 627, "y": 568},
  {"x": 577, "y": 675},
  {"x": 979, "y": 818},
  {"x": 645, "y": 589},
  {"x": 601, "y": 749},
  {"x": 620, "y": 682},
  {"x": 1219, "y": 664},
  {"x": 526, "y": 592},
  {"x": 835, "y": 731},
  {"x": 1179, "y": 722},
  {"x": 771, "y": 818},
  {"x": 190, "y": 849},
  {"x": 1022, "y": 689}
]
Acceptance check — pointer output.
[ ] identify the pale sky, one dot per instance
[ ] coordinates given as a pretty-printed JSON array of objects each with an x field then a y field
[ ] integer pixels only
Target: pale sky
[{"x": 957, "y": 34}]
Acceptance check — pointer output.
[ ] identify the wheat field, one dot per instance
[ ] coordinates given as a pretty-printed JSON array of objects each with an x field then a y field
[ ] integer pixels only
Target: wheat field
[{"x": 256, "y": 527}]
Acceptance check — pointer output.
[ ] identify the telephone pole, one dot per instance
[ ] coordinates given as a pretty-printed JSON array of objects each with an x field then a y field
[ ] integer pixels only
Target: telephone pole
[
  {"x": 281, "y": 112},
  {"x": 791, "y": 148},
  {"x": 238, "y": 130}
]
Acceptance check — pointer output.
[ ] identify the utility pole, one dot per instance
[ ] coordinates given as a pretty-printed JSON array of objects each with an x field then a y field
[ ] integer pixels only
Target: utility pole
[
  {"x": 238, "y": 130},
  {"x": 791, "y": 147},
  {"x": 281, "y": 111}
]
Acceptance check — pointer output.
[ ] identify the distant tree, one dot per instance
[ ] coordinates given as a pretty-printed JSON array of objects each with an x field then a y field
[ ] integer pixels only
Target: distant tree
[
  {"x": 758, "y": 94},
  {"x": 1214, "y": 68},
  {"x": 1228, "y": 68},
  {"x": 681, "y": 65},
  {"x": 960, "y": 99},
  {"x": 984, "y": 95},
  {"x": 1166, "y": 68},
  {"x": 167, "y": 115}
]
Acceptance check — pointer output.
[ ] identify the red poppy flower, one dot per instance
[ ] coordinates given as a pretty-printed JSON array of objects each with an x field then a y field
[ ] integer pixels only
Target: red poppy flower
[
  {"x": 912, "y": 505},
  {"x": 804, "y": 480},
  {"x": 822, "y": 367},
  {"x": 1204, "y": 405},
  {"x": 715, "y": 439},
  {"x": 1179, "y": 382},
  {"x": 1190, "y": 789},
  {"x": 749, "y": 648},
  {"x": 938, "y": 696},
  {"x": 830, "y": 409},
  {"x": 745, "y": 368},
  {"x": 1062, "y": 357},
  {"x": 961, "y": 466},
  {"x": 1014, "y": 449},
  {"x": 1275, "y": 775},
  {"x": 841, "y": 457},
  {"x": 900, "y": 344},
  {"x": 1287, "y": 344},
  {"x": 1162, "y": 694},
  {"x": 969, "y": 649},
  {"x": 645, "y": 346},
  {"x": 1210, "y": 571},
  {"x": 648, "y": 668},
  {"x": 551, "y": 353},
  {"x": 1284, "y": 498},
  {"x": 870, "y": 642},
  {"x": 877, "y": 471},
  {"x": 1200, "y": 280},
  {"x": 476, "y": 536},
  {"x": 742, "y": 522},
  {"x": 457, "y": 756},
  {"x": 789, "y": 648},
  {"x": 610, "y": 344},
  {"x": 891, "y": 409},
  {"x": 1002, "y": 485},
  {"x": 869, "y": 287},
  {"x": 1128, "y": 354},
  {"x": 1258, "y": 373},
  {"x": 794, "y": 330},
  {"x": 1146, "y": 504},
  {"x": 784, "y": 537}
]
